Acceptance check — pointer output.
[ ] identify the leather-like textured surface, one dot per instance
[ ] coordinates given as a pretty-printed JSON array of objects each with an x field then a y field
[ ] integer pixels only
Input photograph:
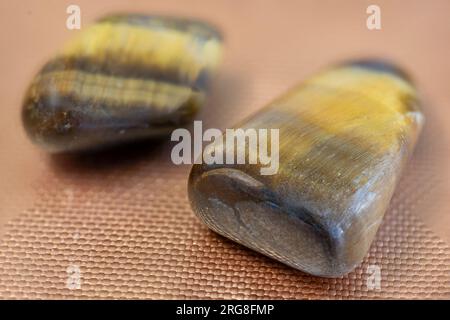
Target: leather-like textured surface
[{"x": 118, "y": 224}]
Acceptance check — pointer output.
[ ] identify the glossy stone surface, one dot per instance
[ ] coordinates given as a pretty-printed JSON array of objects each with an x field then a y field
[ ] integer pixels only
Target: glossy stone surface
[
  {"x": 126, "y": 77},
  {"x": 345, "y": 135}
]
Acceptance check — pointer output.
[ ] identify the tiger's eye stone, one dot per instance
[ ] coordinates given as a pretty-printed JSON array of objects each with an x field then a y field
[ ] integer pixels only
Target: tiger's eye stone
[
  {"x": 126, "y": 77},
  {"x": 345, "y": 135}
]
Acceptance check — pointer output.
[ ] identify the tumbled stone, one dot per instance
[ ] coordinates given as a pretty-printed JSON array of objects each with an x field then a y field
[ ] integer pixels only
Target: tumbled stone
[
  {"x": 125, "y": 78},
  {"x": 345, "y": 135}
]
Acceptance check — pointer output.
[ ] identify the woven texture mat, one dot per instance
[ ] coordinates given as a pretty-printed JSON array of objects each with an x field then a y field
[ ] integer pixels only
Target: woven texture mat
[{"x": 118, "y": 224}]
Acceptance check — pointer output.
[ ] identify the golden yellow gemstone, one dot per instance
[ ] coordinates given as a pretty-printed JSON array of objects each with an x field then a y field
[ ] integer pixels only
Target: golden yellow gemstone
[
  {"x": 345, "y": 135},
  {"x": 127, "y": 77}
]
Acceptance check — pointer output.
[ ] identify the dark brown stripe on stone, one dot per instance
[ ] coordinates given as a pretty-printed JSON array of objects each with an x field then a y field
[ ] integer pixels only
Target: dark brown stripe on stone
[
  {"x": 112, "y": 67},
  {"x": 95, "y": 109}
]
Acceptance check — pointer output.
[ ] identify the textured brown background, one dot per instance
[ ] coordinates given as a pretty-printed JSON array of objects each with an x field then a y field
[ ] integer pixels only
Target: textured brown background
[{"x": 122, "y": 216}]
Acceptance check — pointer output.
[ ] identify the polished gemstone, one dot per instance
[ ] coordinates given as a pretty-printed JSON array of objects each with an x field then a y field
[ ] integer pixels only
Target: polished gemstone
[
  {"x": 344, "y": 137},
  {"x": 125, "y": 78}
]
